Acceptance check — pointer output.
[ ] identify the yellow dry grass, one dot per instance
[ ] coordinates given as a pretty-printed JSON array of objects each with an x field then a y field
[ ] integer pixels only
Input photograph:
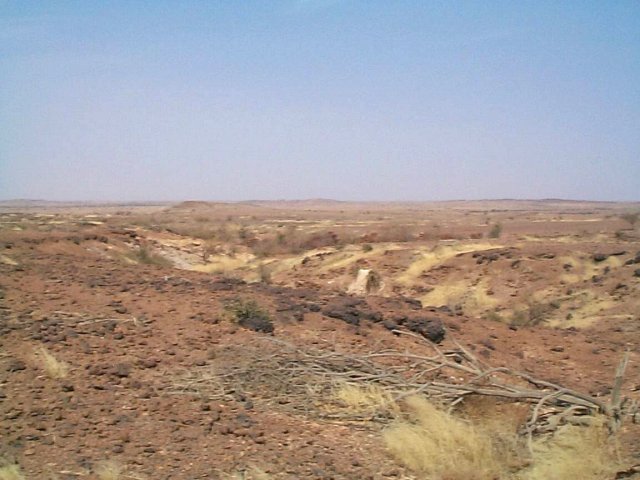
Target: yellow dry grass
[
  {"x": 8, "y": 260},
  {"x": 478, "y": 300},
  {"x": 108, "y": 470},
  {"x": 10, "y": 471},
  {"x": 224, "y": 263},
  {"x": 567, "y": 239},
  {"x": 435, "y": 445},
  {"x": 446, "y": 293},
  {"x": 54, "y": 368},
  {"x": 584, "y": 268},
  {"x": 574, "y": 452},
  {"x": 438, "y": 446},
  {"x": 290, "y": 262},
  {"x": 586, "y": 309},
  {"x": 351, "y": 254},
  {"x": 473, "y": 298},
  {"x": 429, "y": 258},
  {"x": 251, "y": 473},
  {"x": 364, "y": 399}
]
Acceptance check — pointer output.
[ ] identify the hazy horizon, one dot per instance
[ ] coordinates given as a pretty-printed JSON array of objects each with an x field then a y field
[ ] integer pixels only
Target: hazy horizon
[
  {"x": 151, "y": 201},
  {"x": 319, "y": 99}
]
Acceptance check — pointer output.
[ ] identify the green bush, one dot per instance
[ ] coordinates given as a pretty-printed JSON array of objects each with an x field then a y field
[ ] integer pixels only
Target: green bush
[
  {"x": 495, "y": 231},
  {"x": 249, "y": 314}
]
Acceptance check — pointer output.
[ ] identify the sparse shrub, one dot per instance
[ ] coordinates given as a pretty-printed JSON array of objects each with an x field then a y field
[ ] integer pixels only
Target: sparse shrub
[
  {"x": 495, "y": 231},
  {"x": 630, "y": 217},
  {"x": 224, "y": 233},
  {"x": 203, "y": 232},
  {"x": 367, "y": 247},
  {"x": 56, "y": 369},
  {"x": 321, "y": 240},
  {"x": 396, "y": 233},
  {"x": 519, "y": 318},
  {"x": 248, "y": 314},
  {"x": 264, "y": 273},
  {"x": 534, "y": 313},
  {"x": 538, "y": 312},
  {"x": 292, "y": 241},
  {"x": 208, "y": 248},
  {"x": 144, "y": 256},
  {"x": 494, "y": 316}
]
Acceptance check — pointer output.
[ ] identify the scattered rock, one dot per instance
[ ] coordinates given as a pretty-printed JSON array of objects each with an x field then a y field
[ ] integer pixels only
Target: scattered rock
[
  {"x": 430, "y": 328},
  {"x": 487, "y": 342},
  {"x": 122, "y": 370},
  {"x": 389, "y": 325},
  {"x": 351, "y": 310},
  {"x": 15, "y": 365},
  {"x": 257, "y": 323},
  {"x": 148, "y": 363}
]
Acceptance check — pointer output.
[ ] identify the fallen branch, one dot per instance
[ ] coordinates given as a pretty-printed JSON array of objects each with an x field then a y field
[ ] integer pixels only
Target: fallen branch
[{"x": 305, "y": 380}]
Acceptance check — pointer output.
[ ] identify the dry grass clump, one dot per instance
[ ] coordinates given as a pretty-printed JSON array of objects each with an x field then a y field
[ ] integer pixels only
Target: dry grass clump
[
  {"x": 586, "y": 453},
  {"x": 108, "y": 470},
  {"x": 251, "y": 473},
  {"x": 10, "y": 470},
  {"x": 439, "y": 446},
  {"x": 56, "y": 369},
  {"x": 367, "y": 399}
]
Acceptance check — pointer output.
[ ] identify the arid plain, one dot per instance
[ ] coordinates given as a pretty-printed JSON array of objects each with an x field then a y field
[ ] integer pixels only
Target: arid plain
[{"x": 310, "y": 339}]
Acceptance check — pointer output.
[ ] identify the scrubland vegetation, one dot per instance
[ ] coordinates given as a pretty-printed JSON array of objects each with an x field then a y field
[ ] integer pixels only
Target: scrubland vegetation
[
  {"x": 54, "y": 368},
  {"x": 438, "y": 445},
  {"x": 108, "y": 470},
  {"x": 484, "y": 348},
  {"x": 10, "y": 470}
]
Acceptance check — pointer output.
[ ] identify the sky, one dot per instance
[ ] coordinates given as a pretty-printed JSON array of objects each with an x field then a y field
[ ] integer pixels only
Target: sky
[{"x": 341, "y": 99}]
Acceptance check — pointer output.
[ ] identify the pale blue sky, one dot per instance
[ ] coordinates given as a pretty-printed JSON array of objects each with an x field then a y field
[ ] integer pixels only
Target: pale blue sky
[{"x": 352, "y": 100}]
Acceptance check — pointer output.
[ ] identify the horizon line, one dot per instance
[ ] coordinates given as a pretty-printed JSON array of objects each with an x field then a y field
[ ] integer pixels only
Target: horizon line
[{"x": 311, "y": 199}]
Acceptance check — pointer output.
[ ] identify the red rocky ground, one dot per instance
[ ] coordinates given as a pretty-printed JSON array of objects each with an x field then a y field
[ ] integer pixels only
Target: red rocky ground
[{"x": 132, "y": 334}]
